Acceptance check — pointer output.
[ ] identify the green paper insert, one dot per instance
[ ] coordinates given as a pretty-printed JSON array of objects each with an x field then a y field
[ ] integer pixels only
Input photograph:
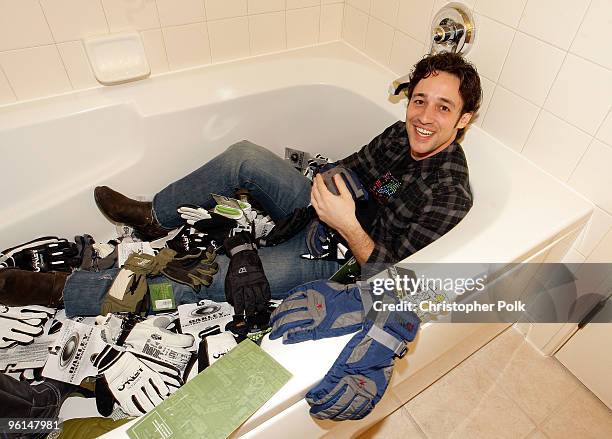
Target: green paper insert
[{"x": 218, "y": 400}]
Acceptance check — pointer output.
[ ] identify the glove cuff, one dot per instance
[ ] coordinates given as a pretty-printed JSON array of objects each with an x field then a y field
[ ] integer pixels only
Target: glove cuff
[
  {"x": 384, "y": 338},
  {"x": 238, "y": 243}
]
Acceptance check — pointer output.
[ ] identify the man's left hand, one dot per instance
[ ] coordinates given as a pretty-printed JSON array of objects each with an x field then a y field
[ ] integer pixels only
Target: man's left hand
[{"x": 337, "y": 211}]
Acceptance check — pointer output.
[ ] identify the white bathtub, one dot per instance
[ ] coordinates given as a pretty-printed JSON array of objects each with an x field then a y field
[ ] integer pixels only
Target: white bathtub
[{"x": 330, "y": 99}]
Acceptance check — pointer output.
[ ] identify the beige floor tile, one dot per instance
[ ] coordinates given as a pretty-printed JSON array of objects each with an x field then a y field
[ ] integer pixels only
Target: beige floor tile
[
  {"x": 467, "y": 403},
  {"x": 538, "y": 384},
  {"x": 498, "y": 353},
  {"x": 536, "y": 434},
  {"x": 582, "y": 416},
  {"x": 398, "y": 425}
]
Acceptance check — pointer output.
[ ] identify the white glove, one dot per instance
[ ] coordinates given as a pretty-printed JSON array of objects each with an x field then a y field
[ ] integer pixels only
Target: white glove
[
  {"x": 136, "y": 387},
  {"x": 151, "y": 338},
  {"x": 21, "y": 324},
  {"x": 171, "y": 375},
  {"x": 219, "y": 345},
  {"x": 155, "y": 328},
  {"x": 111, "y": 327},
  {"x": 192, "y": 214}
]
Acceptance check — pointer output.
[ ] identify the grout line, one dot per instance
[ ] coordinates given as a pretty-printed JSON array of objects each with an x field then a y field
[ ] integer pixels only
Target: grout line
[
  {"x": 415, "y": 424},
  {"x": 163, "y": 37},
  {"x": 108, "y": 28},
  {"x": 553, "y": 84},
  {"x": 9, "y": 83},
  {"x": 59, "y": 54}
]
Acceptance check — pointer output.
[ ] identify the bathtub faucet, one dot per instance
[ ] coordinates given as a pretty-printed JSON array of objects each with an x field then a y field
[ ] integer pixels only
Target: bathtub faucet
[{"x": 400, "y": 85}]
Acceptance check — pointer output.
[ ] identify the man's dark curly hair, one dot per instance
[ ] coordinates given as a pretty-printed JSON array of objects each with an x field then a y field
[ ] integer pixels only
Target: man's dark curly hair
[{"x": 453, "y": 63}]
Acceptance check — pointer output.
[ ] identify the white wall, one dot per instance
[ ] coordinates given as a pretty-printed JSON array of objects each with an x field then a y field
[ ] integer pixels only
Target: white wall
[
  {"x": 41, "y": 51},
  {"x": 546, "y": 70}
]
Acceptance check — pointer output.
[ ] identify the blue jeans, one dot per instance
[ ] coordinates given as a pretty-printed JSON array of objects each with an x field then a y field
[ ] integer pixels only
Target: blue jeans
[{"x": 272, "y": 181}]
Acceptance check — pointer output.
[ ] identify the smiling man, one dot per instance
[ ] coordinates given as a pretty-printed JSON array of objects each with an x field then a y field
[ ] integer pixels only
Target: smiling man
[{"x": 416, "y": 171}]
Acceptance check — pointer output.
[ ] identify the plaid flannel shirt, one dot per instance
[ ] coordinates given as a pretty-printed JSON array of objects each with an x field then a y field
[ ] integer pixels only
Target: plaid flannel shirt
[{"x": 433, "y": 197}]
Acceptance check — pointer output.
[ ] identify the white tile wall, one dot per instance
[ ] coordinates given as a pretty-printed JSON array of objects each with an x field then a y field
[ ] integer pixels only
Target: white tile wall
[
  {"x": 187, "y": 45},
  {"x": 217, "y": 9},
  {"x": 379, "y": 40},
  {"x": 261, "y": 6},
  {"x": 564, "y": 17},
  {"x": 229, "y": 39},
  {"x": 385, "y": 10},
  {"x": 544, "y": 62},
  {"x": 599, "y": 224},
  {"x": 510, "y": 118},
  {"x": 592, "y": 40},
  {"x": 405, "y": 53},
  {"x": 582, "y": 93},
  {"x": 77, "y": 65},
  {"x": 22, "y": 24},
  {"x": 493, "y": 43},
  {"x": 22, "y": 68},
  {"x": 74, "y": 19},
  {"x": 267, "y": 32},
  {"x": 177, "y": 12},
  {"x": 592, "y": 176},
  {"x": 355, "y": 27},
  {"x": 6, "y": 92},
  {"x": 363, "y": 5},
  {"x": 331, "y": 22},
  {"x": 123, "y": 15},
  {"x": 605, "y": 131},
  {"x": 413, "y": 18},
  {"x": 555, "y": 145},
  {"x": 488, "y": 87},
  {"x": 505, "y": 11},
  {"x": 155, "y": 49},
  {"x": 295, "y": 4},
  {"x": 303, "y": 26}
]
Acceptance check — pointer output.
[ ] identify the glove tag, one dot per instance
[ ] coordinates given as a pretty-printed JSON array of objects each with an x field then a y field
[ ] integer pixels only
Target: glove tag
[
  {"x": 162, "y": 296},
  {"x": 387, "y": 340}
]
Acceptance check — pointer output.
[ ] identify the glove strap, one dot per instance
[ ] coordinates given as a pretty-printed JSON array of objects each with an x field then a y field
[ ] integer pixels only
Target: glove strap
[
  {"x": 365, "y": 291},
  {"x": 241, "y": 248},
  {"x": 387, "y": 340}
]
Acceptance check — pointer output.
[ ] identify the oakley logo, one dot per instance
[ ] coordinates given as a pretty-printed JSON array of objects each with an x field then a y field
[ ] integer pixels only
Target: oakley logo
[
  {"x": 242, "y": 270},
  {"x": 130, "y": 380}
]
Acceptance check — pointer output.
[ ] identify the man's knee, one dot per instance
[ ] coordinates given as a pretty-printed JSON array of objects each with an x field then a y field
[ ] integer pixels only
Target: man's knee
[{"x": 245, "y": 150}]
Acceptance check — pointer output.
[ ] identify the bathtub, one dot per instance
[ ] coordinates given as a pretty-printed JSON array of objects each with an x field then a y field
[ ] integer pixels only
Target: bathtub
[{"x": 330, "y": 99}]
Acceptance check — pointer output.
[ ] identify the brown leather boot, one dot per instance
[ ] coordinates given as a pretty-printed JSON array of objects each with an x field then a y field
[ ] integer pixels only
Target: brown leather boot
[
  {"x": 22, "y": 288},
  {"x": 123, "y": 210}
]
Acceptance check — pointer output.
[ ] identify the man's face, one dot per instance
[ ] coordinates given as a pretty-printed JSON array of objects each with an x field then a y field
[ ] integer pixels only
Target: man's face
[{"x": 433, "y": 116}]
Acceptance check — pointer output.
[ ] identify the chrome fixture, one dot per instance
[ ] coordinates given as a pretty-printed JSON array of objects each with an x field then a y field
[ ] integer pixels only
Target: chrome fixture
[{"x": 452, "y": 29}]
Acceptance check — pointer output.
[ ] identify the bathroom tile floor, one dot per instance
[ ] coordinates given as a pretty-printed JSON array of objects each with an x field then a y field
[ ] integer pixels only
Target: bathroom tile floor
[{"x": 505, "y": 390}]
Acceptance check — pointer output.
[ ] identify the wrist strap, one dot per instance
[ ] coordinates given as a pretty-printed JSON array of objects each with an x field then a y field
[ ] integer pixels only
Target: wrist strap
[
  {"x": 387, "y": 340},
  {"x": 241, "y": 247}
]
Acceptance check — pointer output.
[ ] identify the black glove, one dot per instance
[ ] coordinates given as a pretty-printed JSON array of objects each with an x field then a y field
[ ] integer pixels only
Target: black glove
[
  {"x": 217, "y": 228},
  {"x": 45, "y": 254},
  {"x": 246, "y": 286},
  {"x": 189, "y": 240},
  {"x": 288, "y": 227}
]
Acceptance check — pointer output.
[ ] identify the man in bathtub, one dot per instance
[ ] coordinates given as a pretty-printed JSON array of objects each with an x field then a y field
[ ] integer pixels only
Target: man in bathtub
[{"x": 415, "y": 172}]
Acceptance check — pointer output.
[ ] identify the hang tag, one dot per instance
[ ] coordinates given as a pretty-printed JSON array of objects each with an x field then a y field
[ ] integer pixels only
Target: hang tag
[
  {"x": 120, "y": 284},
  {"x": 125, "y": 249},
  {"x": 162, "y": 297}
]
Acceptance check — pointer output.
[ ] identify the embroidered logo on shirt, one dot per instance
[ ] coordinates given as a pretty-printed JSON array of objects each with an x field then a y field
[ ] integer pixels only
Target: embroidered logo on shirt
[{"x": 385, "y": 187}]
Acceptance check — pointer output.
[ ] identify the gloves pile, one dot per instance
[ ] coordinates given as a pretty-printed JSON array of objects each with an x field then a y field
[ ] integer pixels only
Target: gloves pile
[
  {"x": 359, "y": 377},
  {"x": 20, "y": 325},
  {"x": 151, "y": 363}
]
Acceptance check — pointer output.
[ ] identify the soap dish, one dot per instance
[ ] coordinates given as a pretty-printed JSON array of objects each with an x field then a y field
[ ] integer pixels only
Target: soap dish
[{"x": 117, "y": 58}]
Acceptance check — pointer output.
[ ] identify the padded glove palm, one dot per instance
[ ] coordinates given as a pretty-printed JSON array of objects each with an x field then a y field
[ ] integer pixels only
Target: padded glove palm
[
  {"x": 316, "y": 310},
  {"x": 359, "y": 377}
]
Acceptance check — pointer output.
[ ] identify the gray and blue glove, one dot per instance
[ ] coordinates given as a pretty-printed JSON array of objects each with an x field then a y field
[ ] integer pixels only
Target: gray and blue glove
[
  {"x": 359, "y": 377},
  {"x": 318, "y": 309}
]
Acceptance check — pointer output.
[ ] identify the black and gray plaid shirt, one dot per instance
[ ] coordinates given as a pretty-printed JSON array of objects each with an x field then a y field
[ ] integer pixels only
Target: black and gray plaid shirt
[{"x": 417, "y": 201}]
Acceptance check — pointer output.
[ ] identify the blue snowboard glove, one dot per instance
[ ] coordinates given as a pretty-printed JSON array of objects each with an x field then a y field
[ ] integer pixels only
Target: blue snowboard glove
[
  {"x": 359, "y": 377},
  {"x": 318, "y": 309}
]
